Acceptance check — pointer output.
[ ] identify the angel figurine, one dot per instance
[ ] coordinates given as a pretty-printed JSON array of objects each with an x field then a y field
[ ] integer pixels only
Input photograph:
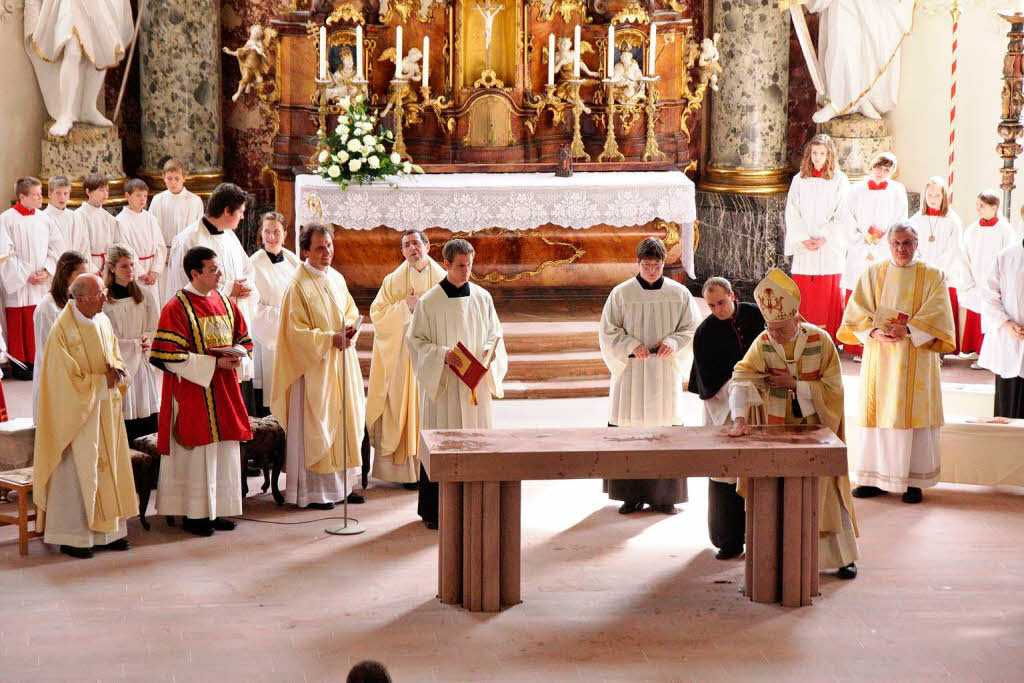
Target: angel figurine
[
  {"x": 253, "y": 59},
  {"x": 708, "y": 60},
  {"x": 410, "y": 67},
  {"x": 564, "y": 55},
  {"x": 406, "y": 72}
]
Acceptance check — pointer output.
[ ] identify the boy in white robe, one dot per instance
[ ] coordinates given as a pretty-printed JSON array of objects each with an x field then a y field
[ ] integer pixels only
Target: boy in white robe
[
  {"x": 175, "y": 209},
  {"x": 1003, "y": 350},
  {"x": 647, "y": 322},
  {"x": 58, "y": 193},
  {"x": 140, "y": 230},
  {"x": 456, "y": 311},
  {"x": 97, "y": 227}
]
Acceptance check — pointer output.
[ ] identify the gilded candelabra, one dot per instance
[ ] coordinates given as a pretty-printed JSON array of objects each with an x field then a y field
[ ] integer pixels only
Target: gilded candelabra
[
  {"x": 437, "y": 104},
  {"x": 549, "y": 101},
  {"x": 396, "y": 101},
  {"x": 576, "y": 150},
  {"x": 323, "y": 108},
  {"x": 611, "y": 147},
  {"x": 1012, "y": 99},
  {"x": 651, "y": 150}
]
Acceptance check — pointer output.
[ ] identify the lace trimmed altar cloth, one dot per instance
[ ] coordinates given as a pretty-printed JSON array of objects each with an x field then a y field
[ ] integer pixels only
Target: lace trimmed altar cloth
[{"x": 467, "y": 202}]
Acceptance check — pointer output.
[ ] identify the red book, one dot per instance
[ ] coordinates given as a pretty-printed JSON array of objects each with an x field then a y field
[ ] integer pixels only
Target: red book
[
  {"x": 874, "y": 234},
  {"x": 470, "y": 369}
]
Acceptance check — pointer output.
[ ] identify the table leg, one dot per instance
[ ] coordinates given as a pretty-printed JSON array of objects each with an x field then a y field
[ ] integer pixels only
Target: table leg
[
  {"x": 792, "y": 538},
  {"x": 764, "y": 497},
  {"x": 808, "y": 540},
  {"x": 511, "y": 523},
  {"x": 449, "y": 570},
  {"x": 23, "y": 522},
  {"x": 490, "y": 543},
  {"x": 473, "y": 598},
  {"x": 813, "y": 532}
]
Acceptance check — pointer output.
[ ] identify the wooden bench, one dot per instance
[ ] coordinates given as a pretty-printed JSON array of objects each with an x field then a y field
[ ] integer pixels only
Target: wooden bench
[
  {"x": 24, "y": 516},
  {"x": 479, "y": 473}
]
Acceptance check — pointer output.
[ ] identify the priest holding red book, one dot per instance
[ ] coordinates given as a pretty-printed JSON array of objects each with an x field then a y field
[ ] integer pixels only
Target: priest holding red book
[{"x": 454, "y": 331}]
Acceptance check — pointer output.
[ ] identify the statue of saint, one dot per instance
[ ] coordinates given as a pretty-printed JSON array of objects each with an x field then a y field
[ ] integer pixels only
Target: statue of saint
[
  {"x": 564, "y": 55},
  {"x": 71, "y": 44},
  {"x": 343, "y": 78},
  {"x": 860, "y": 61},
  {"x": 488, "y": 12},
  {"x": 629, "y": 77},
  {"x": 253, "y": 59}
]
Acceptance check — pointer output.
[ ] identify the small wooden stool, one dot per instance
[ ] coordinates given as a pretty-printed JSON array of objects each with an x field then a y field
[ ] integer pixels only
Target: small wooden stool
[{"x": 23, "y": 517}]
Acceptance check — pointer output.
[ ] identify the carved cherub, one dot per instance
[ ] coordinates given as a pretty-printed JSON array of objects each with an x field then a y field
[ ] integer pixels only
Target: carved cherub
[
  {"x": 409, "y": 70},
  {"x": 708, "y": 60},
  {"x": 253, "y": 59},
  {"x": 342, "y": 79}
]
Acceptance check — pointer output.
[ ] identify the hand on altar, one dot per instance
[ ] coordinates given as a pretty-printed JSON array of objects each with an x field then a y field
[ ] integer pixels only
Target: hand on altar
[
  {"x": 780, "y": 379},
  {"x": 451, "y": 360},
  {"x": 411, "y": 300},
  {"x": 240, "y": 289},
  {"x": 641, "y": 352},
  {"x": 665, "y": 350},
  {"x": 739, "y": 428}
]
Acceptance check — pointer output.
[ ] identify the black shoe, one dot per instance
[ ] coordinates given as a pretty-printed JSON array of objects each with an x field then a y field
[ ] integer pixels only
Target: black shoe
[
  {"x": 867, "y": 492},
  {"x": 630, "y": 507},
  {"x": 321, "y": 506},
  {"x": 414, "y": 486},
  {"x": 197, "y": 527},
  {"x": 913, "y": 495},
  {"x": 222, "y": 524},
  {"x": 847, "y": 572},
  {"x": 431, "y": 525},
  {"x": 355, "y": 499},
  {"x": 665, "y": 509},
  {"x": 80, "y": 553},
  {"x": 729, "y": 552},
  {"x": 119, "y": 544}
]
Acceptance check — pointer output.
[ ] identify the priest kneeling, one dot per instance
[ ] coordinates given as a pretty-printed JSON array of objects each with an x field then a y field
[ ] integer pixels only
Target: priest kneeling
[
  {"x": 318, "y": 384},
  {"x": 455, "y": 312},
  {"x": 791, "y": 375},
  {"x": 83, "y": 471},
  {"x": 200, "y": 342}
]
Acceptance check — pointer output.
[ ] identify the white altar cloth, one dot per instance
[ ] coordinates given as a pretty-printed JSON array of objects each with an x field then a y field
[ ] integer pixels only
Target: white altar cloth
[{"x": 466, "y": 202}]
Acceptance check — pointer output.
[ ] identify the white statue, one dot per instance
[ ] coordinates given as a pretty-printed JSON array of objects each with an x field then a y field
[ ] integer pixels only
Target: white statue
[
  {"x": 709, "y": 58},
  {"x": 71, "y": 44},
  {"x": 409, "y": 69},
  {"x": 343, "y": 78},
  {"x": 629, "y": 76},
  {"x": 253, "y": 59},
  {"x": 488, "y": 12},
  {"x": 860, "y": 60},
  {"x": 564, "y": 56}
]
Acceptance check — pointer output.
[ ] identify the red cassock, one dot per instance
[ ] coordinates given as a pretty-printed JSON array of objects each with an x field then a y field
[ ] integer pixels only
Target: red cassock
[
  {"x": 973, "y": 337},
  {"x": 821, "y": 301},
  {"x": 190, "y": 323},
  {"x": 3, "y": 405}
]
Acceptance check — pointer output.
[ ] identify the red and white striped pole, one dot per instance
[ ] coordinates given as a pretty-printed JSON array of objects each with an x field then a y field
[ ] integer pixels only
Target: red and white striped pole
[{"x": 954, "y": 12}]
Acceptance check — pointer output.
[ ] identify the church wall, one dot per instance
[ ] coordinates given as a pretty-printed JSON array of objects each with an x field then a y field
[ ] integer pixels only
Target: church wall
[{"x": 22, "y": 113}]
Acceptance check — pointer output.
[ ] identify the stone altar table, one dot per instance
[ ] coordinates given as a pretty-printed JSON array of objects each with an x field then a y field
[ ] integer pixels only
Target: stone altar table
[{"x": 479, "y": 472}]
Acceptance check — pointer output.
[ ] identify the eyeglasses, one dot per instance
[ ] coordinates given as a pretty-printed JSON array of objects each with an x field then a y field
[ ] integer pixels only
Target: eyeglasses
[{"x": 905, "y": 244}]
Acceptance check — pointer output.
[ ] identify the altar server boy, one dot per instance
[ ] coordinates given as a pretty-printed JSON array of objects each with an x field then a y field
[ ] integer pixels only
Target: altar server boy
[
  {"x": 98, "y": 227},
  {"x": 140, "y": 230},
  {"x": 175, "y": 209}
]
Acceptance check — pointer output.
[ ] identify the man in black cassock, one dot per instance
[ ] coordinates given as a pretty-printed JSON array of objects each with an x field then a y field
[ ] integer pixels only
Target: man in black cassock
[{"x": 719, "y": 343}]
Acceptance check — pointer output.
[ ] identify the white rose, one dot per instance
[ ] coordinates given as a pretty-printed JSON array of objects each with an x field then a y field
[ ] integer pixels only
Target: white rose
[
  {"x": 334, "y": 171},
  {"x": 345, "y": 102},
  {"x": 396, "y": 158},
  {"x": 343, "y": 120},
  {"x": 354, "y": 145},
  {"x": 369, "y": 141},
  {"x": 359, "y": 98},
  {"x": 374, "y": 162},
  {"x": 379, "y": 148},
  {"x": 342, "y": 131},
  {"x": 355, "y": 165},
  {"x": 341, "y": 157},
  {"x": 407, "y": 167},
  {"x": 324, "y": 156}
]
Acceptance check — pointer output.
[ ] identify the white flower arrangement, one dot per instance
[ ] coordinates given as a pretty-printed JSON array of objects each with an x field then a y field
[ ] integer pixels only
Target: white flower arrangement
[{"x": 354, "y": 153}]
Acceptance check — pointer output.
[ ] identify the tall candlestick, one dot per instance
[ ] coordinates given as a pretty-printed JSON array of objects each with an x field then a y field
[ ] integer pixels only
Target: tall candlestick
[
  {"x": 611, "y": 51},
  {"x": 551, "y": 59},
  {"x": 426, "y": 61},
  {"x": 652, "y": 51},
  {"x": 359, "y": 52},
  {"x": 576, "y": 53},
  {"x": 398, "y": 52},
  {"x": 323, "y": 53}
]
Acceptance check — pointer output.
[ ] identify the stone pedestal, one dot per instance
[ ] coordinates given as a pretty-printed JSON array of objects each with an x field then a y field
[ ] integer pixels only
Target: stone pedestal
[
  {"x": 85, "y": 149},
  {"x": 858, "y": 139},
  {"x": 179, "y": 56},
  {"x": 748, "y": 111}
]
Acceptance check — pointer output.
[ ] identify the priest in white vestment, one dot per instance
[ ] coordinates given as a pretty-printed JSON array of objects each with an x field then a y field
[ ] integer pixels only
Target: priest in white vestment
[
  {"x": 97, "y": 229},
  {"x": 175, "y": 209},
  {"x": 140, "y": 230},
  {"x": 70, "y": 265},
  {"x": 791, "y": 375},
  {"x": 647, "y": 322},
  {"x": 392, "y": 405},
  {"x": 859, "y": 42},
  {"x": 318, "y": 384},
  {"x": 58, "y": 193},
  {"x": 273, "y": 269},
  {"x": 456, "y": 311},
  {"x": 82, "y": 477},
  {"x": 1003, "y": 318},
  {"x": 901, "y": 313}
]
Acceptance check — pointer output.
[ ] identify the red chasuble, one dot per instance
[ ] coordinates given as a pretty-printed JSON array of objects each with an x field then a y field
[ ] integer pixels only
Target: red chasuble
[{"x": 196, "y": 324}]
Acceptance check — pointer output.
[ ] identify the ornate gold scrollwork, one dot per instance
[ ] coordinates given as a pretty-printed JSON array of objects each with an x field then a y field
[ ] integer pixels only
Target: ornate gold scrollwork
[
  {"x": 269, "y": 91},
  {"x": 494, "y": 276},
  {"x": 346, "y": 12},
  {"x": 548, "y": 9},
  {"x": 671, "y": 232},
  {"x": 677, "y": 6},
  {"x": 696, "y": 235},
  {"x": 634, "y": 13},
  {"x": 694, "y": 96}
]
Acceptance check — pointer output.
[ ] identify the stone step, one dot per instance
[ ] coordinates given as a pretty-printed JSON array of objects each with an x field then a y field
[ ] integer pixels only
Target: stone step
[
  {"x": 539, "y": 366},
  {"x": 528, "y": 337},
  {"x": 571, "y": 388}
]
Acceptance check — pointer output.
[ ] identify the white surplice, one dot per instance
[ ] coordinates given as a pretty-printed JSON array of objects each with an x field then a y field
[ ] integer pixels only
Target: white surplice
[
  {"x": 30, "y": 244},
  {"x": 649, "y": 392},
  {"x": 939, "y": 242},
  {"x": 43, "y": 319},
  {"x": 132, "y": 321},
  {"x": 71, "y": 237},
  {"x": 981, "y": 246},
  {"x": 174, "y": 213},
  {"x": 204, "y": 482},
  {"x": 141, "y": 231},
  {"x": 271, "y": 281},
  {"x": 816, "y": 207},
  {"x": 98, "y": 231},
  {"x": 438, "y": 324},
  {"x": 867, "y": 208},
  {"x": 1002, "y": 352}
]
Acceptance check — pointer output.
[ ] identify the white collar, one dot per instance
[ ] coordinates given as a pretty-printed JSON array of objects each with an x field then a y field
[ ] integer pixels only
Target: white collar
[
  {"x": 913, "y": 261},
  {"x": 192, "y": 290},
  {"x": 81, "y": 317},
  {"x": 313, "y": 270}
]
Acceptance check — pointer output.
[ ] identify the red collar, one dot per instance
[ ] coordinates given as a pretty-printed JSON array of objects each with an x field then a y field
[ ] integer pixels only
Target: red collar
[
  {"x": 929, "y": 211},
  {"x": 20, "y": 208},
  {"x": 988, "y": 222},
  {"x": 817, "y": 172},
  {"x": 872, "y": 185}
]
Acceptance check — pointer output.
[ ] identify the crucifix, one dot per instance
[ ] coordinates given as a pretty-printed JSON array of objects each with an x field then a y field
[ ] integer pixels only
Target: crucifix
[{"x": 488, "y": 11}]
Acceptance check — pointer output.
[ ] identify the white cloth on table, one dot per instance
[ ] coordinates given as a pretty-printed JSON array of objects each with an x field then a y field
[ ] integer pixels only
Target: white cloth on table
[
  {"x": 42, "y": 320},
  {"x": 981, "y": 246},
  {"x": 132, "y": 321},
  {"x": 816, "y": 207},
  {"x": 867, "y": 208},
  {"x": 939, "y": 243},
  {"x": 271, "y": 280},
  {"x": 97, "y": 231},
  {"x": 141, "y": 232},
  {"x": 1003, "y": 300},
  {"x": 31, "y": 244},
  {"x": 303, "y": 487}
]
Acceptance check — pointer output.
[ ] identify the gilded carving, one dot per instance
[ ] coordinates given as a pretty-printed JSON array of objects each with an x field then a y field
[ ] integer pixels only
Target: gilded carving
[
  {"x": 314, "y": 207},
  {"x": 346, "y": 12},
  {"x": 633, "y": 13},
  {"x": 489, "y": 123},
  {"x": 495, "y": 277},
  {"x": 549, "y": 8}
]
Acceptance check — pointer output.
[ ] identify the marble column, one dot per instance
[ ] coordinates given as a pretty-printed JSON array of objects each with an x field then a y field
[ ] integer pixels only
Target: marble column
[
  {"x": 180, "y": 74},
  {"x": 748, "y": 111}
]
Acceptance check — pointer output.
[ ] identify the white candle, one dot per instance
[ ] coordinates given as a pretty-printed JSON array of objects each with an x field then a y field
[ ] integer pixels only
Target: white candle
[
  {"x": 551, "y": 59},
  {"x": 652, "y": 51},
  {"x": 359, "y": 52},
  {"x": 398, "y": 52},
  {"x": 426, "y": 61},
  {"x": 323, "y": 53},
  {"x": 576, "y": 53},
  {"x": 611, "y": 51}
]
